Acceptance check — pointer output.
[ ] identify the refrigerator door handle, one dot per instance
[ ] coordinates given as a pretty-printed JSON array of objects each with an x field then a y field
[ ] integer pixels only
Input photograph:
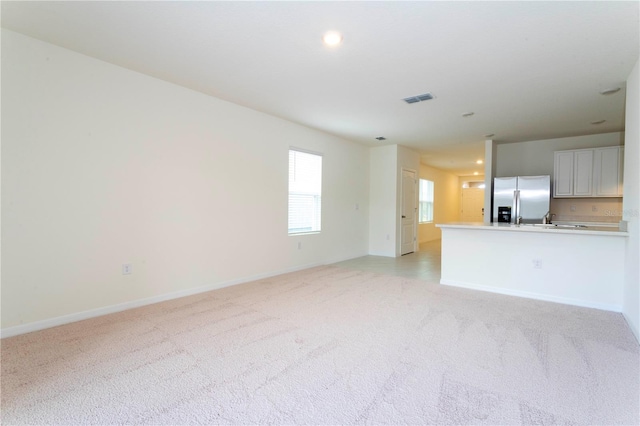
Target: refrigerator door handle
[{"x": 517, "y": 216}]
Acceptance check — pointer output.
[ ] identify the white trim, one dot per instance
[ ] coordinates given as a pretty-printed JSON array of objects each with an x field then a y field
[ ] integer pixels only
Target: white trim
[
  {"x": 631, "y": 325},
  {"x": 106, "y": 310},
  {"x": 305, "y": 151},
  {"x": 416, "y": 202},
  {"x": 344, "y": 258},
  {"x": 537, "y": 296}
]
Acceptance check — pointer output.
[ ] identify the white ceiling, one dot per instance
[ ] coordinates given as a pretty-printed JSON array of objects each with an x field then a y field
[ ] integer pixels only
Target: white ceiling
[{"x": 528, "y": 70}]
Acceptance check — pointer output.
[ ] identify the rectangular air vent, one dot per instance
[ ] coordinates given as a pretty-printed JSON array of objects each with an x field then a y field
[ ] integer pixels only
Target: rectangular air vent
[
  {"x": 412, "y": 100},
  {"x": 418, "y": 98}
]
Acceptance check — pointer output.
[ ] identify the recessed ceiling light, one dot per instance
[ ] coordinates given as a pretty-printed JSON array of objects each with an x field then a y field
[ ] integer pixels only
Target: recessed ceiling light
[
  {"x": 489, "y": 135},
  {"x": 467, "y": 114},
  {"x": 610, "y": 91},
  {"x": 381, "y": 138},
  {"x": 598, "y": 122},
  {"x": 479, "y": 162},
  {"x": 475, "y": 173},
  {"x": 332, "y": 38}
]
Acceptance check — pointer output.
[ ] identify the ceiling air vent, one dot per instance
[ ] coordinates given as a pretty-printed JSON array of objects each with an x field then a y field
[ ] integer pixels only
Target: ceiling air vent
[{"x": 418, "y": 98}]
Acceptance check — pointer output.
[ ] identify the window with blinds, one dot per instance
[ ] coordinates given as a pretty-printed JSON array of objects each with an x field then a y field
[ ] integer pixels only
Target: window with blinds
[
  {"x": 425, "y": 208},
  {"x": 305, "y": 191}
]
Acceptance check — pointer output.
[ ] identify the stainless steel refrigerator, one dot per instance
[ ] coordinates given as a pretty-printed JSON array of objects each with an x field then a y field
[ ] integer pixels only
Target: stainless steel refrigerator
[{"x": 525, "y": 197}]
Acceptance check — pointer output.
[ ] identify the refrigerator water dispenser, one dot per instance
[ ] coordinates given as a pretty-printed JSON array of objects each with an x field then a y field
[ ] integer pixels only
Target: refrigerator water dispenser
[{"x": 504, "y": 214}]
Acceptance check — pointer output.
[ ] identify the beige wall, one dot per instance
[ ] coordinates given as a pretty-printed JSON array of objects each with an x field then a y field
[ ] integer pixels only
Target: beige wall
[
  {"x": 446, "y": 207},
  {"x": 103, "y": 166},
  {"x": 586, "y": 209}
]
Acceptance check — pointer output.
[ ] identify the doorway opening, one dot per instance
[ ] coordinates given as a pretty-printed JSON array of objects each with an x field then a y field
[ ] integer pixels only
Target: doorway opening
[{"x": 472, "y": 203}]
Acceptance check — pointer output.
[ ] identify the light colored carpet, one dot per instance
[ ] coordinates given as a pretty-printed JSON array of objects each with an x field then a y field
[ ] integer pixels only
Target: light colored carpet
[{"x": 329, "y": 345}]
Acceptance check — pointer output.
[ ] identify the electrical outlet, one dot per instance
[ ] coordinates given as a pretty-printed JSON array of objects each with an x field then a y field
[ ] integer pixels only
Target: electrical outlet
[
  {"x": 357, "y": 206},
  {"x": 127, "y": 269},
  {"x": 537, "y": 263},
  {"x": 299, "y": 245},
  {"x": 573, "y": 208},
  {"x": 594, "y": 208}
]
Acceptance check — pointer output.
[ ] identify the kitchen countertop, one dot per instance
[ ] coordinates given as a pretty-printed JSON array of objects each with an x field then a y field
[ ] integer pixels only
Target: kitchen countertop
[{"x": 595, "y": 229}]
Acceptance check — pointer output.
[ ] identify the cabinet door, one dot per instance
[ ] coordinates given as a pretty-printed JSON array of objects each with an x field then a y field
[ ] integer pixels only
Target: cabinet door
[
  {"x": 563, "y": 174},
  {"x": 620, "y": 170},
  {"x": 583, "y": 173},
  {"x": 606, "y": 172}
]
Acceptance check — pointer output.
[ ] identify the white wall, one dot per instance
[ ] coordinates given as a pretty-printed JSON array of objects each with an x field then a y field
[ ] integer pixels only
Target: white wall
[
  {"x": 385, "y": 192},
  {"x": 536, "y": 157},
  {"x": 490, "y": 158},
  {"x": 631, "y": 202},
  {"x": 446, "y": 205},
  {"x": 576, "y": 268},
  {"x": 382, "y": 195},
  {"x": 103, "y": 166}
]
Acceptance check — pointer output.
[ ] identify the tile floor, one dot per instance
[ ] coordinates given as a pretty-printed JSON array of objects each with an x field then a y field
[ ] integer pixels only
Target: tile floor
[{"x": 423, "y": 264}]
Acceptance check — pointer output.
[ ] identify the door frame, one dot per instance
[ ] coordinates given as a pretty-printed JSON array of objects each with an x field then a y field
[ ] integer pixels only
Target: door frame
[{"x": 415, "y": 206}]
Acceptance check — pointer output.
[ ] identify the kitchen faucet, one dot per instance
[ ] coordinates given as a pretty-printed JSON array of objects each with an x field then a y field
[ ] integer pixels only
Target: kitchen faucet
[{"x": 546, "y": 219}]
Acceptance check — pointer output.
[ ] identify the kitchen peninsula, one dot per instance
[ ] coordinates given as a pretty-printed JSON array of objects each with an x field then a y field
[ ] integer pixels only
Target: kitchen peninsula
[{"x": 581, "y": 266}]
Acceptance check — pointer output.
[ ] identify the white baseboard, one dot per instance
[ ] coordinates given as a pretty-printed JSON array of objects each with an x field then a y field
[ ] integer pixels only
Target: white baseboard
[
  {"x": 344, "y": 258},
  {"x": 537, "y": 296},
  {"x": 632, "y": 326},
  {"x": 92, "y": 313}
]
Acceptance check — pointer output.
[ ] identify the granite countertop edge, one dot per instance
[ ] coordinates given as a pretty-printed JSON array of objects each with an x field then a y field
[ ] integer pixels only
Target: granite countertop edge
[{"x": 603, "y": 229}]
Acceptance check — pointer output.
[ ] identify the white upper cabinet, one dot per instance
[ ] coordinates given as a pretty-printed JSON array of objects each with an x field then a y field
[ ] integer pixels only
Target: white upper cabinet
[
  {"x": 588, "y": 172},
  {"x": 583, "y": 173},
  {"x": 563, "y": 174},
  {"x": 573, "y": 173},
  {"x": 607, "y": 171}
]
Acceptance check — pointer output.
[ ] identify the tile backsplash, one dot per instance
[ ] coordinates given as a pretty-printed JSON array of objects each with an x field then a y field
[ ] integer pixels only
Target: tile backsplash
[{"x": 587, "y": 209}]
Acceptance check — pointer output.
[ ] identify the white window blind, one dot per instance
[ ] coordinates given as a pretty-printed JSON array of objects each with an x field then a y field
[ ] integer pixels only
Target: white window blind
[
  {"x": 425, "y": 210},
  {"x": 305, "y": 191}
]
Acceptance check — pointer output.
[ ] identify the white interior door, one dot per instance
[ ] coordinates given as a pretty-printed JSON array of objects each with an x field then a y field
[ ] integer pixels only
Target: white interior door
[
  {"x": 409, "y": 212},
  {"x": 472, "y": 204}
]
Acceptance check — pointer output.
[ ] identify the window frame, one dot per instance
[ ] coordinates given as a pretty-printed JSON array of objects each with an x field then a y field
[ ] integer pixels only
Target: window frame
[
  {"x": 316, "y": 219},
  {"x": 430, "y": 213}
]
